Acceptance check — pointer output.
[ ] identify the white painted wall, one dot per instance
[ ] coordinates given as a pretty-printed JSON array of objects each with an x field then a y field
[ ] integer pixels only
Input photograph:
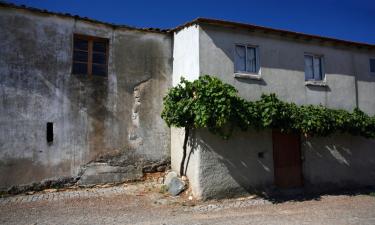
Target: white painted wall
[
  {"x": 186, "y": 54},
  {"x": 186, "y": 64}
]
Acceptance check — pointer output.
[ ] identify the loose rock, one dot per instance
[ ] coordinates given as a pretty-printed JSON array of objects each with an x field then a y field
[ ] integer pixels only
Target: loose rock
[{"x": 174, "y": 184}]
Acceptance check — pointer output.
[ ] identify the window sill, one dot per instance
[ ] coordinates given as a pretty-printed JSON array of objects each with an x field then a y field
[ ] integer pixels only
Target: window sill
[
  {"x": 248, "y": 76},
  {"x": 318, "y": 83}
]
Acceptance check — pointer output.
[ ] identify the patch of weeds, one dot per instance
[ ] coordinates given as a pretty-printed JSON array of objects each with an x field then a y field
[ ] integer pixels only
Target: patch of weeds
[
  {"x": 163, "y": 189},
  {"x": 372, "y": 194}
]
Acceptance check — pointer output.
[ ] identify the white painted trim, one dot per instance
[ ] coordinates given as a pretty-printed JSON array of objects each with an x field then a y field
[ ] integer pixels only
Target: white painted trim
[
  {"x": 320, "y": 83},
  {"x": 252, "y": 76}
]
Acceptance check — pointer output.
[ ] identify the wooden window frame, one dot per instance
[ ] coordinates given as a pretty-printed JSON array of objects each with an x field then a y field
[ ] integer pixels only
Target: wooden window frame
[{"x": 90, "y": 52}]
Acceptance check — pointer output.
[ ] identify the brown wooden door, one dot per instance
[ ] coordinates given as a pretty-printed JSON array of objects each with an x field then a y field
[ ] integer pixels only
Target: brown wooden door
[{"x": 287, "y": 160}]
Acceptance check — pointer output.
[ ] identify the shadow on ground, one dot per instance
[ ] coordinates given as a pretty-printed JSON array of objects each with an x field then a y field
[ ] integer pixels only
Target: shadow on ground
[{"x": 281, "y": 196}]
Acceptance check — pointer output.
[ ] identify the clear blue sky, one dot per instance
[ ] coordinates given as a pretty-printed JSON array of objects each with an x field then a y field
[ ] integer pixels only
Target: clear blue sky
[{"x": 350, "y": 20}]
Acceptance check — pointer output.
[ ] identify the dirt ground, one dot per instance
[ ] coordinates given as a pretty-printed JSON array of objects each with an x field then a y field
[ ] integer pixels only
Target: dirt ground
[{"x": 144, "y": 203}]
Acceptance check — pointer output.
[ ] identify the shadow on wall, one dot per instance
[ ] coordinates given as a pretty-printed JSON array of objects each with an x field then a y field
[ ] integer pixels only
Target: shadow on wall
[
  {"x": 241, "y": 165},
  {"x": 339, "y": 161}
]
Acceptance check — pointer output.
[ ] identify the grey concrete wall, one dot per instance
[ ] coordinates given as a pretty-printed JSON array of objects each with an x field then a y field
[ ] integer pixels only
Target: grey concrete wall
[
  {"x": 115, "y": 118},
  {"x": 347, "y": 70},
  {"x": 339, "y": 161}
]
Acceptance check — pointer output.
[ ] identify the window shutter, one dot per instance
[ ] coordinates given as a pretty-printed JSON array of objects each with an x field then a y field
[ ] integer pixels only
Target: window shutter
[{"x": 317, "y": 68}]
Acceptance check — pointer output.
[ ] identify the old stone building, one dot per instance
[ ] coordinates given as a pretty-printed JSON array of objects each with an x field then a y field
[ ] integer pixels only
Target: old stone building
[
  {"x": 59, "y": 120},
  {"x": 81, "y": 99}
]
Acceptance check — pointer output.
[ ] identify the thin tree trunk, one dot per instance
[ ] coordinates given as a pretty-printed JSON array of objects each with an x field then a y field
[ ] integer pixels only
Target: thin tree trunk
[{"x": 182, "y": 165}]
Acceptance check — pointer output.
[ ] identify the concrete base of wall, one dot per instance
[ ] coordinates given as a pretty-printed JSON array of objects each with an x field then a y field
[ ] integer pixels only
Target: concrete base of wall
[{"x": 99, "y": 173}]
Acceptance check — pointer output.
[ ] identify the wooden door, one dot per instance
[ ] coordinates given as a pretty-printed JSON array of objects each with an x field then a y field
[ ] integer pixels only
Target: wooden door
[{"x": 287, "y": 160}]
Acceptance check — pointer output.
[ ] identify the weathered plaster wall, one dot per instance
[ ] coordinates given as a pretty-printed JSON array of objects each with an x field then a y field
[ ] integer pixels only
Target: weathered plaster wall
[{"x": 115, "y": 119}]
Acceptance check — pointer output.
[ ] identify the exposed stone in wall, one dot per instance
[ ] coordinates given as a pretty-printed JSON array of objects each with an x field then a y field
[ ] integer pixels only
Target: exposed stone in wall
[
  {"x": 135, "y": 139},
  {"x": 38, "y": 186}
]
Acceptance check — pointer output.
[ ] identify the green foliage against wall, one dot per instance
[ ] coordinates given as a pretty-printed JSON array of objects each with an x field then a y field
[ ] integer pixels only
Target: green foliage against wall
[{"x": 210, "y": 103}]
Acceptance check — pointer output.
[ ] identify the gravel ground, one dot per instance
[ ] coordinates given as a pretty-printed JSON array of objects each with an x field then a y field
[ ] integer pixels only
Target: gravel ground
[{"x": 143, "y": 204}]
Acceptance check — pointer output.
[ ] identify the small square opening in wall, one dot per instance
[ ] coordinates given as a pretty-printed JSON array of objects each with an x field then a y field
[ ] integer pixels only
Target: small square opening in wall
[
  {"x": 372, "y": 65},
  {"x": 49, "y": 132}
]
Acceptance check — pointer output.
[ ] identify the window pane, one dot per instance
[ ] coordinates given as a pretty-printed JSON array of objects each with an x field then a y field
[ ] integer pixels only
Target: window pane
[
  {"x": 79, "y": 68},
  {"x": 100, "y": 70},
  {"x": 99, "y": 58},
  {"x": 372, "y": 65},
  {"x": 309, "y": 74},
  {"x": 81, "y": 44},
  {"x": 317, "y": 68},
  {"x": 80, "y": 56},
  {"x": 251, "y": 60},
  {"x": 99, "y": 47},
  {"x": 240, "y": 58}
]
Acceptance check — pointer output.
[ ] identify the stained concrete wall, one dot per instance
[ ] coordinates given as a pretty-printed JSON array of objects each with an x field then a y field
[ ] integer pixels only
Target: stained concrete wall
[
  {"x": 113, "y": 119},
  {"x": 219, "y": 168}
]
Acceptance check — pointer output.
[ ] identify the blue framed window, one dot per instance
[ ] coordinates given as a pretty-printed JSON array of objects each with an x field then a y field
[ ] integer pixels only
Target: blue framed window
[
  {"x": 314, "y": 69},
  {"x": 246, "y": 59}
]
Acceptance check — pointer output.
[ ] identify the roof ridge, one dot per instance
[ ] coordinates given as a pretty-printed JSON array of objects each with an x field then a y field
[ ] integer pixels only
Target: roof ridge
[{"x": 271, "y": 30}]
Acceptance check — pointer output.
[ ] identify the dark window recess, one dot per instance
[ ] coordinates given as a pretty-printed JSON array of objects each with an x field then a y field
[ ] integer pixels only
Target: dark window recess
[
  {"x": 99, "y": 47},
  {"x": 99, "y": 70},
  {"x": 98, "y": 58},
  {"x": 81, "y": 44},
  {"x": 79, "y": 68},
  {"x": 90, "y": 55},
  {"x": 372, "y": 65},
  {"x": 80, "y": 56},
  {"x": 49, "y": 132}
]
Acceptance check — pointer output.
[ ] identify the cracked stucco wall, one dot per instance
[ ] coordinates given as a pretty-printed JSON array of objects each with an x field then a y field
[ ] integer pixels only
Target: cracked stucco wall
[{"x": 116, "y": 116}]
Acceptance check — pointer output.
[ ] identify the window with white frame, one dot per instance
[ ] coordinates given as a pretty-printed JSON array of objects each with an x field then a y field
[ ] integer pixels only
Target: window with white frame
[
  {"x": 246, "y": 59},
  {"x": 314, "y": 67}
]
